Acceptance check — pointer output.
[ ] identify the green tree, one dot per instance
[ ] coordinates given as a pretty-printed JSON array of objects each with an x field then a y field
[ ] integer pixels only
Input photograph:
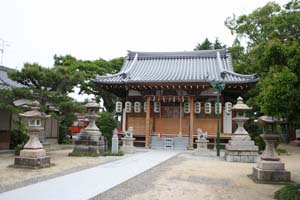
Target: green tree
[
  {"x": 207, "y": 45},
  {"x": 272, "y": 34},
  {"x": 88, "y": 71},
  {"x": 107, "y": 123},
  {"x": 50, "y": 86}
]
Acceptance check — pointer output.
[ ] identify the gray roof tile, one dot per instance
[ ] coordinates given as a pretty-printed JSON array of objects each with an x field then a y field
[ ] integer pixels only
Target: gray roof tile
[
  {"x": 5, "y": 81},
  {"x": 192, "y": 66}
]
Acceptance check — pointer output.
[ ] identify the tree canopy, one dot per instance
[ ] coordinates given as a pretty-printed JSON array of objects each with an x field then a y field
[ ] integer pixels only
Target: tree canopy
[
  {"x": 207, "y": 45},
  {"x": 272, "y": 34}
]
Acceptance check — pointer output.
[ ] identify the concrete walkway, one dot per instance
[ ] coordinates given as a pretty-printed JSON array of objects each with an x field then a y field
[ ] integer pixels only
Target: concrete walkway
[{"x": 88, "y": 183}]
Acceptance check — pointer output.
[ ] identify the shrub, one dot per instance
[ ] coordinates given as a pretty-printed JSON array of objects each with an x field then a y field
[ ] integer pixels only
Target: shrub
[
  {"x": 63, "y": 138},
  {"x": 19, "y": 136},
  {"x": 84, "y": 154},
  {"x": 107, "y": 123},
  {"x": 108, "y": 153},
  {"x": 289, "y": 192}
]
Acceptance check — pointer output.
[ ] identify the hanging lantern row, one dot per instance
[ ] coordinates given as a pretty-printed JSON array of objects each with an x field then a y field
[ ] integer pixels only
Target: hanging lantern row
[{"x": 186, "y": 107}]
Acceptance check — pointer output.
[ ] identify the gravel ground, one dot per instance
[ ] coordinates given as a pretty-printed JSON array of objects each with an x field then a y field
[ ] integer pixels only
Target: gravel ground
[
  {"x": 12, "y": 178},
  {"x": 192, "y": 177}
]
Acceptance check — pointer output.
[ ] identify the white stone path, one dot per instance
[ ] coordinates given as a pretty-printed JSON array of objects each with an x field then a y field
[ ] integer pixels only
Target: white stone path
[{"x": 88, "y": 183}]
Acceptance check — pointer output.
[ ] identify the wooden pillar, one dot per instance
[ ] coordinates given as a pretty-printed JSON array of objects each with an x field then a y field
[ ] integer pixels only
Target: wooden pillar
[
  {"x": 180, "y": 119},
  {"x": 147, "y": 126},
  {"x": 191, "y": 122}
]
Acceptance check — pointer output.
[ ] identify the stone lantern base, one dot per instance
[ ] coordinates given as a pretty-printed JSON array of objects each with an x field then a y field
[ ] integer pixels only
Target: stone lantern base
[
  {"x": 241, "y": 151},
  {"x": 32, "y": 158},
  {"x": 86, "y": 144},
  {"x": 272, "y": 171}
]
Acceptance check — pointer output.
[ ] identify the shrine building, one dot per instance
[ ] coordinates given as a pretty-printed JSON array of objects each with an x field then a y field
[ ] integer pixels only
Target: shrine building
[{"x": 168, "y": 95}]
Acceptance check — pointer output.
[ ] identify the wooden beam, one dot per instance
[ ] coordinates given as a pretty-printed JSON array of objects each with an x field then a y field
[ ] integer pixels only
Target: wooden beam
[
  {"x": 147, "y": 126},
  {"x": 191, "y": 122}
]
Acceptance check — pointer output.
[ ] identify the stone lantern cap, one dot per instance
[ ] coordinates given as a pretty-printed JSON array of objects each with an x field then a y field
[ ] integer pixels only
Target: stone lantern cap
[
  {"x": 35, "y": 112},
  {"x": 240, "y": 105},
  {"x": 269, "y": 120}
]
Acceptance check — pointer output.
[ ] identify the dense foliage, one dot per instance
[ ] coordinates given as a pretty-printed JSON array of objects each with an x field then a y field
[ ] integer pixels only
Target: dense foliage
[
  {"x": 272, "y": 34},
  {"x": 19, "y": 136},
  {"x": 88, "y": 71},
  {"x": 289, "y": 192},
  {"x": 207, "y": 45},
  {"x": 107, "y": 123},
  {"x": 51, "y": 86}
]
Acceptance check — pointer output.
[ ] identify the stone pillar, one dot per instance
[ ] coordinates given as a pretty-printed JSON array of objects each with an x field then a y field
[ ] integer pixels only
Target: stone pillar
[
  {"x": 269, "y": 167},
  {"x": 127, "y": 146},
  {"x": 90, "y": 138},
  {"x": 33, "y": 155},
  {"x": 241, "y": 148},
  {"x": 115, "y": 142}
]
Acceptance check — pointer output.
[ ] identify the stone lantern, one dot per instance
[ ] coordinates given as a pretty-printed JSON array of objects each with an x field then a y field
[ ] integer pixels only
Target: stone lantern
[
  {"x": 241, "y": 148},
  {"x": 33, "y": 155},
  {"x": 90, "y": 139},
  {"x": 269, "y": 167},
  {"x": 92, "y": 130}
]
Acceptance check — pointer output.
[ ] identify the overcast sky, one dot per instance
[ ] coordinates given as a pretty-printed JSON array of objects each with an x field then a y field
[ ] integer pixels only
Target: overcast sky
[{"x": 90, "y": 29}]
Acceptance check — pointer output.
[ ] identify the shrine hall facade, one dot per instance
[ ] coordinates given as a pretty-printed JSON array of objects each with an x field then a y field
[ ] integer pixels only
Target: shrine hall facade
[{"x": 169, "y": 95}]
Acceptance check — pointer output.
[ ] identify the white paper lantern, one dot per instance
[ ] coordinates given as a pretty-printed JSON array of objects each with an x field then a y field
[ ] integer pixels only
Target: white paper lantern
[
  {"x": 137, "y": 107},
  {"x": 228, "y": 106},
  {"x": 218, "y": 108},
  {"x": 197, "y": 107},
  {"x": 119, "y": 107},
  {"x": 127, "y": 106},
  {"x": 145, "y": 106},
  {"x": 157, "y": 107},
  {"x": 186, "y": 107},
  {"x": 207, "y": 108}
]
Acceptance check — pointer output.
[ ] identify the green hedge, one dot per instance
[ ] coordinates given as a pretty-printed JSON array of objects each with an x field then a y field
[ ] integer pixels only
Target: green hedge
[{"x": 289, "y": 192}]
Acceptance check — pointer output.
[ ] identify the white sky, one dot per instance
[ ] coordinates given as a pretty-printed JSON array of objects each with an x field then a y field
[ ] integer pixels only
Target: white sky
[{"x": 90, "y": 29}]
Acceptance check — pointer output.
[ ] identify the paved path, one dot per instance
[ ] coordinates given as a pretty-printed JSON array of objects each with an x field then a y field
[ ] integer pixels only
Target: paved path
[{"x": 88, "y": 183}]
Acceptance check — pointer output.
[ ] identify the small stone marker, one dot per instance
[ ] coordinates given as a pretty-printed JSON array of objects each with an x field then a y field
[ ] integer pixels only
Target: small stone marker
[
  {"x": 127, "y": 146},
  {"x": 269, "y": 167},
  {"x": 115, "y": 142}
]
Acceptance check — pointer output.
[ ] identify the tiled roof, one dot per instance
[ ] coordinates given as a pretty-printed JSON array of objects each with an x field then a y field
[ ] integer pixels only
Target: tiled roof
[
  {"x": 5, "y": 81},
  {"x": 188, "y": 66}
]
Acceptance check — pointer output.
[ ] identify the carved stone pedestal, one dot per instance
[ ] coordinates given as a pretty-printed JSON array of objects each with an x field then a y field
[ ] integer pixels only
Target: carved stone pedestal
[
  {"x": 201, "y": 148},
  {"x": 87, "y": 144},
  {"x": 127, "y": 146},
  {"x": 241, "y": 150}
]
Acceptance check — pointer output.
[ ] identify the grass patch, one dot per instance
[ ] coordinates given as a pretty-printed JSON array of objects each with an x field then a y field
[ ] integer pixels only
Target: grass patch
[
  {"x": 108, "y": 153},
  {"x": 89, "y": 154},
  {"x": 289, "y": 192},
  {"x": 84, "y": 154},
  {"x": 281, "y": 151}
]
